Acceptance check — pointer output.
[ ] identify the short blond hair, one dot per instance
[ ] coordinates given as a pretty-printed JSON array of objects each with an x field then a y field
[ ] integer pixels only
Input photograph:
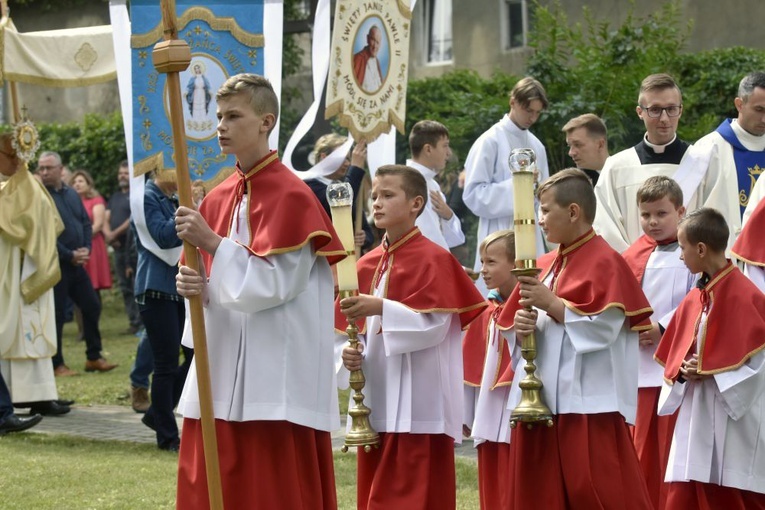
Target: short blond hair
[
  {"x": 593, "y": 124},
  {"x": 506, "y": 237},
  {"x": 261, "y": 94}
]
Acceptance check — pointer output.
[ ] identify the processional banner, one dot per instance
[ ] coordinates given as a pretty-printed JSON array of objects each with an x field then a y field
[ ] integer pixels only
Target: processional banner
[
  {"x": 226, "y": 38},
  {"x": 369, "y": 66}
]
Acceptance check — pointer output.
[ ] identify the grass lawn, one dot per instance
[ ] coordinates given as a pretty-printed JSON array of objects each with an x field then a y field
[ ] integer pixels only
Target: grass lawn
[{"x": 43, "y": 472}]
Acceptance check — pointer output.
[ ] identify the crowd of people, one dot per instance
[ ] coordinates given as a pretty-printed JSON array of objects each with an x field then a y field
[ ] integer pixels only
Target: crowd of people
[{"x": 648, "y": 312}]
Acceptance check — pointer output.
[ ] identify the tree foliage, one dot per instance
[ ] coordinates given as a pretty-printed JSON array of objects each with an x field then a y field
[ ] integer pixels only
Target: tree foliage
[
  {"x": 592, "y": 67},
  {"x": 97, "y": 144}
]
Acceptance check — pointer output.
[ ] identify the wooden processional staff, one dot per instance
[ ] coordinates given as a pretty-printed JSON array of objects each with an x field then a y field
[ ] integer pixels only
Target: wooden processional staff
[{"x": 172, "y": 56}]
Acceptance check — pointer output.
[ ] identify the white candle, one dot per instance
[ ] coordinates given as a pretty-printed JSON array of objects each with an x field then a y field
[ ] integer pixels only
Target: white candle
[
  {"x": 340, "y": 198},
  {"x": 524, "y": 222},
  {"x": 346, "y": 268}
]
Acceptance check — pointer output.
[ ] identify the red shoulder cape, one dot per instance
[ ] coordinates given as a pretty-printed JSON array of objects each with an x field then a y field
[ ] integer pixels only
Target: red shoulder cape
[
  {"x": 749, "y": 246},
  {"x": 475, "y": 345},
  {"x": 284, "y": 212},
  {"x": 637, "y": 255},
  {"x": 734, "y": 331},
  {"x": 592, "y": 278},
  {"x": 421, "y": 275}
]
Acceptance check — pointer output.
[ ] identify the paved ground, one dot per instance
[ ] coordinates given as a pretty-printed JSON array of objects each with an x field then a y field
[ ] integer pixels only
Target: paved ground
[{"x": 120, "y": 423}]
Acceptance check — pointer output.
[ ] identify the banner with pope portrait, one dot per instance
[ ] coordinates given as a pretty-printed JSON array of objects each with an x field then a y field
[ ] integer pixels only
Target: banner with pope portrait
[{"x": 369, "y": 66}]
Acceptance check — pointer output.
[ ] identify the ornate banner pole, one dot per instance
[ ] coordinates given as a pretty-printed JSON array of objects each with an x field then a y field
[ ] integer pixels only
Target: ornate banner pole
[{"x": 172, "y": 56}]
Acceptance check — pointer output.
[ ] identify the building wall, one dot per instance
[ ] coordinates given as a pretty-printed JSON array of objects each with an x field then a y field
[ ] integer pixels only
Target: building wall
[{"x": 477, "y": 30}]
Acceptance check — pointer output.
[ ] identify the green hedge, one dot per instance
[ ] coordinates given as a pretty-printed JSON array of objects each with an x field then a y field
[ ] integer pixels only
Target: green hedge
[{"x": 97, "y": 144}]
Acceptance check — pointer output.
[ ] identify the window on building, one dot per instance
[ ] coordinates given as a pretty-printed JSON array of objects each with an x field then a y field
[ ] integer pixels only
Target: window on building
[
  {"x": 516, "y": 23},
  {"x": 438, "y": 30}
]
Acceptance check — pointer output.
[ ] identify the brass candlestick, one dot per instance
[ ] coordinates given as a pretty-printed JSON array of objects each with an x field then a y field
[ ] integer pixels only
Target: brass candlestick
[
  {"x": 361, "y": 432},
  {"x": 531, "y": 409},
  {"x": 340, "y": 198}
]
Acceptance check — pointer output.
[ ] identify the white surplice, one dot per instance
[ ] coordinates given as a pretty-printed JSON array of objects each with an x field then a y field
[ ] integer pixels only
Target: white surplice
[
  {"x": 588, "y": 364},
  {"x": 488, "y": 183},
  {"x": 413, "y": 369},
  {"x": 722, "y": 163},
  {"x": 756, "y": 274},
  {"x": 617, "y": 218},
  {"x": 269, "y": 323},
  {"x": 758, "y": 193},
  {"x": 718, "y": 436},
  {"x": 445, "y": 233},
  {"x": 491, "y": 417},
  {"x": 666, "y": 282}
]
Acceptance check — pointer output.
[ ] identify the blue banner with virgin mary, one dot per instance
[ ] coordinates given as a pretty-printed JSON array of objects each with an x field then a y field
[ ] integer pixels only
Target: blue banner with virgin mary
[{"x": 226, "y": 38}]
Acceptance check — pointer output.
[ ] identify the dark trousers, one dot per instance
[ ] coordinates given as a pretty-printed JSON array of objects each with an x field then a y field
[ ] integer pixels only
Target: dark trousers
[
  {"x": 6, "y": 406},
  {"x": 163, "y": 320},
  {"x": 121, "y": 259},
  {"x": 75, "y": 283}
]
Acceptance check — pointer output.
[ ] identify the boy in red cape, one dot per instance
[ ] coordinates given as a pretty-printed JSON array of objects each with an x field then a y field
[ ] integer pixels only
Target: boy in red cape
[
  {"x": 714, "y": 372},
  {"x": 655, "y": 260},
  {"x": 267, "y": 245},
  {"x": 587, "y": 309},
  {"x": 486, "y": 359},
  {"x": 419, "y": 300}
]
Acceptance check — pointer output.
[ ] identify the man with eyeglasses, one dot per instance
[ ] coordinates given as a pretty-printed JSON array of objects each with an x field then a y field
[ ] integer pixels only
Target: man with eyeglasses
[
  {"x": 660, "y": 105},
  {"x": 740, "y": 150},
  {"x": 73, "y": 252}
]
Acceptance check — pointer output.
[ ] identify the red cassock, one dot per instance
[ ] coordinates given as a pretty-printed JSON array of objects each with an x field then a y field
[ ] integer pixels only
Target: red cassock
[
  {"x": 413, "y": 471},
  {"x": 652, "y": 434},
  {"x": 264, "y": 464},
  {"x": 584, "y": 461}
]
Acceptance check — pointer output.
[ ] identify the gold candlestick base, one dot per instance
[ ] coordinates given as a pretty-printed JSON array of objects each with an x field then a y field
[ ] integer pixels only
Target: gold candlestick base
[
  {"x": 531, "y": 409},
  {"x": 361, "y": 433}
]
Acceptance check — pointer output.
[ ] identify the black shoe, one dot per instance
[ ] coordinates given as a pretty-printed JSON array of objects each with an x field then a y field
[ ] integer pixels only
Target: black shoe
[
  {"x": 174, "y": 446},
  {"x": 49, "y": 408},
  {"x": 15, "y": 424},
  {"x": 64, "y": 402},
  {"x": 148, "y": 420}
]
